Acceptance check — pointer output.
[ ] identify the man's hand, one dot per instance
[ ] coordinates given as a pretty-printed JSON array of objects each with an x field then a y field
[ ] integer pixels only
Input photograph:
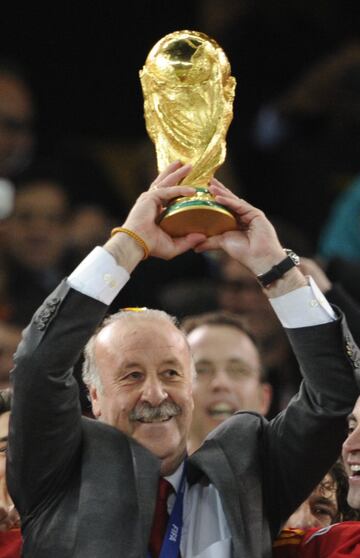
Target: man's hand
[
  {"x": 143, "y": 217},
  {"x": 254, "y": 244}
]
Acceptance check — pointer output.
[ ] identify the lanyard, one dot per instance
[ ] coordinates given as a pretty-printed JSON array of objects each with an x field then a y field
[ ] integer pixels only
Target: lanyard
[{"x": 171, "y": 544}]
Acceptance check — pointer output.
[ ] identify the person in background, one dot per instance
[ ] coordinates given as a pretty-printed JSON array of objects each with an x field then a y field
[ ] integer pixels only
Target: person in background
[
  {"x": 17, "y": 117},
  {"x": 302, "y": 538},
  {"x": 337, "y": 538},
  {"x": 229, "y": 372},
  {"x": 327, "y": 504},
  {"x": 35, "y": 243}
]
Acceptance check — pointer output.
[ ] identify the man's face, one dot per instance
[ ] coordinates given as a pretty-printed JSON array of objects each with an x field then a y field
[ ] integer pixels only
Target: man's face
[
  {"x": 351, "y": 457},
  {"x": 319, "y": 510},
  {"x": 36, "y": 230},
  {"x": 146, "y": 365},
  {"x": 228, "y": 377}
]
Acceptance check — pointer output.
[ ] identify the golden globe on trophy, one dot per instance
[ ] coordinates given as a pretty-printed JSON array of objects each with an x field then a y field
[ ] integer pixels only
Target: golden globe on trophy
[{"x": 188, "y": 98}]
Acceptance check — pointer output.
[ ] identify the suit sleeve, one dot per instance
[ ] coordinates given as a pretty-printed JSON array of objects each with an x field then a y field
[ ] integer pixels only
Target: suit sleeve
[
  {"x": 303, "y": 441},
  {"x": 45, "y": 425},
  {"x": 351, "y": 308}
]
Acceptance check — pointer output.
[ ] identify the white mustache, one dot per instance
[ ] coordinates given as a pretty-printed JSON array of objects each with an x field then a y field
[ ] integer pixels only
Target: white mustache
[{"x": 145, "y": 412}]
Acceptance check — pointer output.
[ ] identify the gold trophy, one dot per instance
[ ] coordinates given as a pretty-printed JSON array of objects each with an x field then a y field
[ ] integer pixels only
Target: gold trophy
[{"x": 188, "y": 98}]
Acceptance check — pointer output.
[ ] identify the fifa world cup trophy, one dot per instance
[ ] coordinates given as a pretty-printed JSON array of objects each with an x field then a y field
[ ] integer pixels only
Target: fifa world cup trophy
[{"x": 188, "y": 98}]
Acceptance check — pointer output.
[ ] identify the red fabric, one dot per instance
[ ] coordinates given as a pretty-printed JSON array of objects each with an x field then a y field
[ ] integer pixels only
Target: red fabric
[
  {"x": 341, "y": 540},
  {"x": 161, "y": 517},
  {"x": 10, "y": 544}
]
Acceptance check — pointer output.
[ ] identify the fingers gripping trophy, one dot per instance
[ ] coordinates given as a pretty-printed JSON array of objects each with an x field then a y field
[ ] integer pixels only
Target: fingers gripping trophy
[{"x": 188, "y": 98}]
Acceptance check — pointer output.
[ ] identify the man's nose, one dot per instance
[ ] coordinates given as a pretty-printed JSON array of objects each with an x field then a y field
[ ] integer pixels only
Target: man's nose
[
  {"x": 220, "y": 380},
  {"x": 153, "y": 392},
  {"x": 302, "y": 518},
  {"x": 352, "y": 442}
]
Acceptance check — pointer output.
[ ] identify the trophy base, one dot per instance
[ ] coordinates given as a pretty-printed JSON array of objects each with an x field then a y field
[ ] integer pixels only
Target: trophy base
[{"x": 189, "y": 215}]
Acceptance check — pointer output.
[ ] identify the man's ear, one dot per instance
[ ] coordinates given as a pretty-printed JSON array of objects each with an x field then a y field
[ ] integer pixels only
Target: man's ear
[{"x": 95, "y": 401}]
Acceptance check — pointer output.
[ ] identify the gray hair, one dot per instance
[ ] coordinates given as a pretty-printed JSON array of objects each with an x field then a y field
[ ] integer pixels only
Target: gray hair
[{"x": 90, "y": 372}]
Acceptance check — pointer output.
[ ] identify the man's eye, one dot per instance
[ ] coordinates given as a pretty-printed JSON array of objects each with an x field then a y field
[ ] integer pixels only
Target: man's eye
[
  {"x": 203, "y": 370},
  {"x": 134, "y": 376},
  {"x": 236, "y": 371},
  {"x": 320, "y": 511},
  {"x": 171, "y": 373},
  {"x": 351, "y": 427}
]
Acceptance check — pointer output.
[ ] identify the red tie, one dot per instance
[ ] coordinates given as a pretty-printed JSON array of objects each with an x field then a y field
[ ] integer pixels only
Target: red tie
[{"x": 161, "y": 517}]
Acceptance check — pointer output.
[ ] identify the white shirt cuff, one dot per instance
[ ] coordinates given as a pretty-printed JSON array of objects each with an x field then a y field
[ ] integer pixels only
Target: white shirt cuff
[
  {"x": 99, "y": 276},
  {"x": 304, "y": 307}
]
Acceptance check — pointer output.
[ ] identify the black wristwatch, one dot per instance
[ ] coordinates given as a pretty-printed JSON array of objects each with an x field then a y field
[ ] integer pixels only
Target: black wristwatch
[{"x": 277, "y": 271}]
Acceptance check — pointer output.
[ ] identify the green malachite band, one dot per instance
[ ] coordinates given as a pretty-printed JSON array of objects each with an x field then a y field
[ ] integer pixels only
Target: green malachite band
[{"x": 194, "y": 203}]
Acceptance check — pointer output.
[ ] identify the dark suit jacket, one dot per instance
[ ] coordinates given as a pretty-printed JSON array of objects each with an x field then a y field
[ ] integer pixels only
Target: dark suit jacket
[{"x": 86, "y": 490}]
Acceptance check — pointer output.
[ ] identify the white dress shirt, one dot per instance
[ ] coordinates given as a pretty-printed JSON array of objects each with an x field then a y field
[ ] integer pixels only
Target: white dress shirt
[{"x": 205, "y": 533}]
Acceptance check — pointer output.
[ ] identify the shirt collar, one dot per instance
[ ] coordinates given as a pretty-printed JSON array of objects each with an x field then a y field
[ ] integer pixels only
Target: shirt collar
[{"x": 175, "y": 478}]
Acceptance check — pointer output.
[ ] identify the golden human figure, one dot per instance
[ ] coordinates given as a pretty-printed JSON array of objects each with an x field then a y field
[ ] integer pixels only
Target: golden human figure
[{"x": 188, "y": 98}]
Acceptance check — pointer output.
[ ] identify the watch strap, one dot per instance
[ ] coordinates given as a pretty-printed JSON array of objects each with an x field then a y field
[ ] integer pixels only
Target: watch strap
[{"x": 277, "y": 271}]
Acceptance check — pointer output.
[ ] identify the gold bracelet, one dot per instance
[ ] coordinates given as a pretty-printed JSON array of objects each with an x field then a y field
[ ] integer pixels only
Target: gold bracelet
[{"x": 136, "y": 237}]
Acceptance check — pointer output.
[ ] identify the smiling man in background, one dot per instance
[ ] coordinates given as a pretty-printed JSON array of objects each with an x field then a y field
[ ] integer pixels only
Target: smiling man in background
[{"x": 229, "y": 373}]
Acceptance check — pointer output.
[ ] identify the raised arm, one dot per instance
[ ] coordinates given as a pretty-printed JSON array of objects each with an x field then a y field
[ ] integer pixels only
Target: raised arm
[
  {"x": 254, "y": 244},
  {"x": 45, "y": 429},
  {"x": 301, "y": 443}
]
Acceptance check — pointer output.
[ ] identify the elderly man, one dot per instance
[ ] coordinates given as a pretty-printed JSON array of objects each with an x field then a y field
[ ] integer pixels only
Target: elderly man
[{"x": 88, "y": 487}]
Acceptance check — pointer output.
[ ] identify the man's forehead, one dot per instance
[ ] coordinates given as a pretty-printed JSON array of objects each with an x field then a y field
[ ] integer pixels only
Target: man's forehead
[
  {"x": 136, "y": 334},
  {"x": 223, "y": 339},
  {"x": 209, "y": 330},
  {"x": 140, "y": 343},
  {"x": 136, "y": 321}
]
